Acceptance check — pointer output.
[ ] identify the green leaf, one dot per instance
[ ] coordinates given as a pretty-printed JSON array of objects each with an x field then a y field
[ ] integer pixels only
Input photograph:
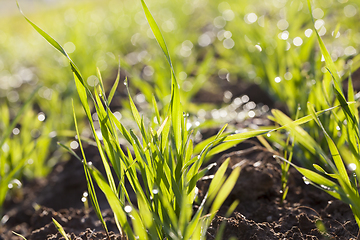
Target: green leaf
[
  {"x": 113, "y": 201},
  {"x": 320, "y": 180},
  {"x": 217, "y": 181},
  {"x": 90, "y": 184},
  {"x": 225, "y": 190},
  {"x": 114, "y": 87},
  {"x": 340, "y": 167},
  {"x": 60, "y": 229},
  {"x": 17, "y": 234},
  {"x": 157, "y": 33},
  {"x": 134, "y": 110}
]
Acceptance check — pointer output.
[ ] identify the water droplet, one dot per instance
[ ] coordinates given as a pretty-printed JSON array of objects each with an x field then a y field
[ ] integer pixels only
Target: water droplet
[
  {"x": 318, "y": 13},
  {"x": 308, "y": 32},
  {"x": 319, "y": 23},
  {"x": 288, "y": 76},
  {"x": 245, "y": 99},
  {"x": 41, "y": 116},
  {"x": 14, "y": 183},
  {"x": 219, "y": 22},
  {"x": 282, "y": 24},
  {"x": 268, "y": 135},
  {"x": 281, "y": 191},
  {"x": 92, "y": 81},
  {"x": 350, "y": 10},
  {"x": 250, "y": 18},
  {"x": 350, "y": 50},
  {"x": 251, "y": 114},
  {"x": 306, "y": 181},
  {"x": 52, "y": 134},
  {"x": 228, "y": 15},
  {"x": 325, "y": 187},
  {"x": 297, "y": 41},
  {"x": 228, "y": 43},
  {"x": 352, "y": 167},
  {"x": 284, "y": 35},
  {"x": 128, "y": 208},
  {"x": 74, "y": 145},
  {"x": 258, "y": 47},
  {"x": 155, "y": 191},
  {"x": 16, "y": 131}
]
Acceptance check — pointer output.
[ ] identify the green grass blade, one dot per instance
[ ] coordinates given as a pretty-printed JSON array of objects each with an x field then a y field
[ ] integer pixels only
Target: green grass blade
[
  {"x": 176, "y": 108},
  {"x": 157, "y": 33},
  {"x": 60, "y": 229},
  {"x": 112, "y": 199},
  {"x": 51, "y": 40},
  {"x": 218, "y": 180},
  {"x": 177, "y": 116},
  {"x": 114, "y": 87},
  {"x": 225, "y": 190},
  {"x": 340, "y": 167},
  {"x": 69, "y": 150},
  {"x": 328, "y": 61},
  {"x": 90, "y": 184},
  {"x": 134, "y": 110},
  {"x": 302, "y": 137},
  {"x": 246, "y": 135},
  {"x": 19, "y": 235},
  {"x": 334, "y": 189}
]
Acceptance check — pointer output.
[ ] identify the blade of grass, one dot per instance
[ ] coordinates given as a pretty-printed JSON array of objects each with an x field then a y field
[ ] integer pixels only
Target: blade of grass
[
  {"x": 114, "y": 87},
  {"x": 89, "y": 181},
  {"x": 60, "y": 229}
]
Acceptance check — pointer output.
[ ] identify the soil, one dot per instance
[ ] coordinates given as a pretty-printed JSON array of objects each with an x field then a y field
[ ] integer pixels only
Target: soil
[{"x": 259, "y": 215}]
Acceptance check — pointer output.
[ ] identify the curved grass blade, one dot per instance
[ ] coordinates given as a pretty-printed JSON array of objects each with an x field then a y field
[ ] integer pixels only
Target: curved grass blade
[
  {"x": 157, "y": 33},
  {"x": 319, "y": 180},
  {"x": 330, "y": 65},
  {"x": 176, "y": 108},
  {"x": 60, "y": 229},
  {"x": 19, "y": 235},
  {"x": 340, "y": 168},
  {"x": 225, "y": 190},
  {"x": 90, "y": 184},
  {"x": 48, "y": 38},
  {"x": 113, "y": 200},
  {"x": 114, "y": 87}
]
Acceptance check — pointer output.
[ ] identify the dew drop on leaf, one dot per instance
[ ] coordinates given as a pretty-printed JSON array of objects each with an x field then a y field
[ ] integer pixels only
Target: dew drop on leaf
[
  {"x": 128, "y": 209},
  {"x": 306, "y": 181},
  {"x": 352, "y": 166}
]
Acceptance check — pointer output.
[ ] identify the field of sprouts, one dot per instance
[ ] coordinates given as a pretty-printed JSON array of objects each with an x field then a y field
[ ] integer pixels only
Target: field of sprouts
[{"x": 183, "y": 119}]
